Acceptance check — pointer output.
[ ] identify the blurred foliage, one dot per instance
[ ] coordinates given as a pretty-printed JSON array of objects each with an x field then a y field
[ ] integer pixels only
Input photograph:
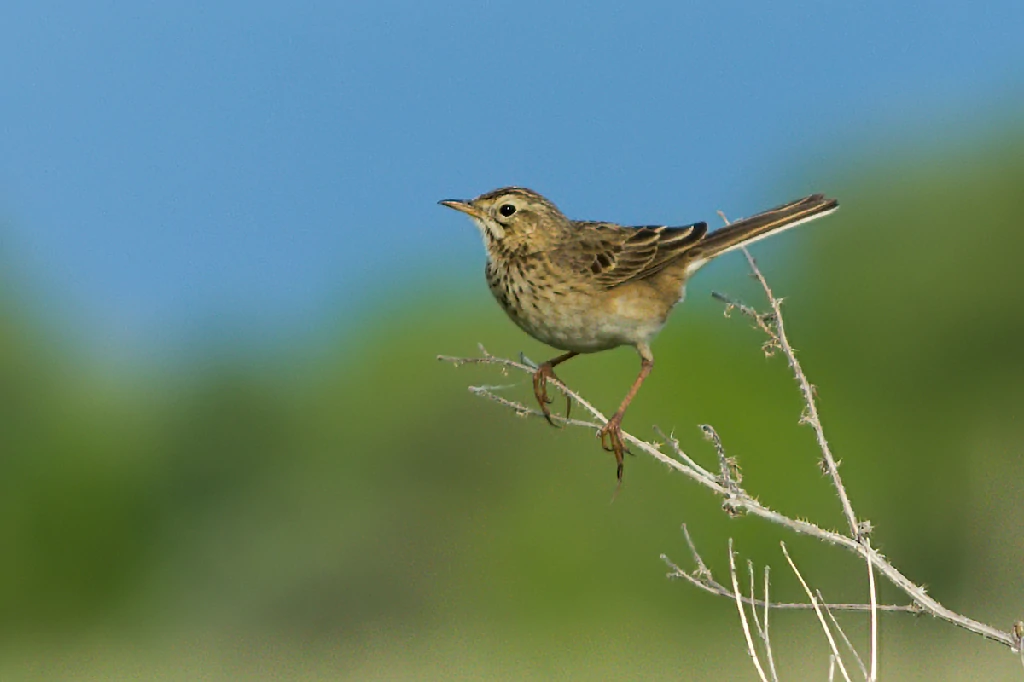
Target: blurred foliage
[{"x": 353, "y": 493}]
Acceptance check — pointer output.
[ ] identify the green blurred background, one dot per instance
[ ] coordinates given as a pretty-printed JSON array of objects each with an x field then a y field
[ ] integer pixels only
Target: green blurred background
[
  {"x": 239, "y": 483},
  {"x": 347, "y": 509}
]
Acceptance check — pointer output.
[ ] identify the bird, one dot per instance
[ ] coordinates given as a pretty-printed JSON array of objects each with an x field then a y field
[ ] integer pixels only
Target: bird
[{"x": 588, "y": 286}]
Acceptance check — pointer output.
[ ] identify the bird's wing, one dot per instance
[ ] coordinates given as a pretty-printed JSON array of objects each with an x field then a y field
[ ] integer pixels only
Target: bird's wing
[{"x": 608, "y": 255}]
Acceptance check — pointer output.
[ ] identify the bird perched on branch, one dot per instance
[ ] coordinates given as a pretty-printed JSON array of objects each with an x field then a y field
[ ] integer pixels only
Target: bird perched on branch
[{"x": 583, "y": 286}]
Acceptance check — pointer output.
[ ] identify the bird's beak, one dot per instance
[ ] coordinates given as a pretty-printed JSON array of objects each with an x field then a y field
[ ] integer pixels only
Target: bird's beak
[{"x": 463, "y": 206}]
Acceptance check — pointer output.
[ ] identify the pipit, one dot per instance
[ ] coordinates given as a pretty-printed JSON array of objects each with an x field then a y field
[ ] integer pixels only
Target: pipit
[{"x": 584, "y": 286}]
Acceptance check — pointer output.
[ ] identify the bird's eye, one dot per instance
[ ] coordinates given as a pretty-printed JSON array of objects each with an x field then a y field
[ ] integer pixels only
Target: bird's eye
[{"x": 507, "y": 210}]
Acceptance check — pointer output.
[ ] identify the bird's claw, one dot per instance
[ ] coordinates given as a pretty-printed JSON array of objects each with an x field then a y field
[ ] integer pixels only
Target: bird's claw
[
  {"x": 611, "y": 440},
  {"x": 540, "y": 390}
]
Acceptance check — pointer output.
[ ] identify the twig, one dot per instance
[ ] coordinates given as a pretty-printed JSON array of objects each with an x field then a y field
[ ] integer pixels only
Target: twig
[
  {"x": 522, "y": 410},
  {"x": 702, "y": 568},
  {"x": 821, "y": 618},
  {"x": 762, "y": 320},
  {"x": 842, "y": 633},
  {"x": 702, "y": 578},
  {"x": 767, "y": 638},
  {"x": 811, "y": 416},
  {"x": 687, "y": 466},
  {"x": 743, "y": 614},
  {"x": 1018, "y": 635},
  {"x": 729, "y": 469},
  {"x": 874, "y": 617},
  {"x": 777, "y": 331},
  {"x": 673, "y": 443},
  {"x": 762, "y": 630}
]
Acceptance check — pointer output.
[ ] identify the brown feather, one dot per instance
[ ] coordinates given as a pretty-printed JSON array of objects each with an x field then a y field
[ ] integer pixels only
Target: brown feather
[
  {"x": 608, "y": 255},
  {"x": 751, "y": 229}
]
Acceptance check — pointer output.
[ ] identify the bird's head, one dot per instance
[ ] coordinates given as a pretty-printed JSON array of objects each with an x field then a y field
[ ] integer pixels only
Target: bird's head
[{"x": 514, "y": 219}]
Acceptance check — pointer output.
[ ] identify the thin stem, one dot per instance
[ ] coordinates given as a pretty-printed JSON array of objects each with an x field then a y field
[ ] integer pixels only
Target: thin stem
[
  {"x": 702, "y": 578},
  {"x": 743, "y": 614},
  {"x": 821, "y": 618},
  {"x": 874, "y": 618},
  {"x": 767, "y": 638},
  {"x": 842, "y": 633},
  {"x": 811, "y": 417}
]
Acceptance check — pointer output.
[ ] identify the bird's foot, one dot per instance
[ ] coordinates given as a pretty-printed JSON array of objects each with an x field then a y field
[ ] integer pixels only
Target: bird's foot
[
  {"x": 540, "y": 390},
  {"x": 611, "y": 440}
]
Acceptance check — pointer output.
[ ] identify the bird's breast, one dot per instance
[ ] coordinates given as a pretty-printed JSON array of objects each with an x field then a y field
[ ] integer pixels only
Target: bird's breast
[{"x": 572, "y": 316}]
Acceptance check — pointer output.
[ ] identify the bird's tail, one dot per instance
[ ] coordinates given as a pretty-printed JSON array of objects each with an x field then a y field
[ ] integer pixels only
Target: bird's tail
[{"x": 749, "y": 230}]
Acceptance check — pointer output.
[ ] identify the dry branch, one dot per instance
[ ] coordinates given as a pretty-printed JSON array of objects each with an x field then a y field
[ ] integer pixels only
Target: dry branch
[
  {"x": 684, "y": 464},
  {"x": 736, "y": 500}
]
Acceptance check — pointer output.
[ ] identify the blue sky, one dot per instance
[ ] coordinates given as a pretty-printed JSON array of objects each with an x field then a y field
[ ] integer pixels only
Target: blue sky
[{"x": 168, "y": 167}]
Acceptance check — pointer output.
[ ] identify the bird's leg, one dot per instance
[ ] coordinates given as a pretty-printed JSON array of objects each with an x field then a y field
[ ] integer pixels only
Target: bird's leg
[
  {"x": 540, "y": 384},
  {"x": 611, "y": 432}
]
